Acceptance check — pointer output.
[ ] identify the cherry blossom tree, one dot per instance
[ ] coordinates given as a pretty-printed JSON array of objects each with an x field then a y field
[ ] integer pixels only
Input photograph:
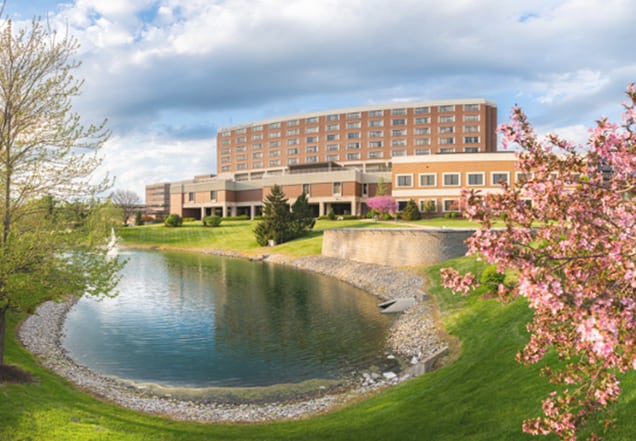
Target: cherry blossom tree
[
  {"x": 569, "y": 235},
  {"x": 383, "y": 204}
]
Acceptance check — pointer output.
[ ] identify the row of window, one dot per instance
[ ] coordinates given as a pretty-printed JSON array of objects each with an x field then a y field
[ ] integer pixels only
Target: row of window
[
  {"x": 398, "y": 122},
  {"x": 453, "y": 179},
  {"x": 446, "y": 140},
  {"x": 355, "y": 115}
]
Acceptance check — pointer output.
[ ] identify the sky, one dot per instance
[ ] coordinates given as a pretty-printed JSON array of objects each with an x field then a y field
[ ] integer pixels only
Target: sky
[{"x": 168, "y": 74}]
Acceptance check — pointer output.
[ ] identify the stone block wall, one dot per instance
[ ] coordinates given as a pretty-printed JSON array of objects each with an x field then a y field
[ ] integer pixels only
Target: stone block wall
[{"x": 395, "y": 246}]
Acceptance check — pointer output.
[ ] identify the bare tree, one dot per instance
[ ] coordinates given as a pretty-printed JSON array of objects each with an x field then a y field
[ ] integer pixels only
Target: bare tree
[
  {"x": 46, "y": 154},
  {"x": 128, "y": 201}
]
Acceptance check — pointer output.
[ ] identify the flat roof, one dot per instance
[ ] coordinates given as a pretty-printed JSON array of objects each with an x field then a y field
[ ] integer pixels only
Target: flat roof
[{"x": 396, "y": 105}]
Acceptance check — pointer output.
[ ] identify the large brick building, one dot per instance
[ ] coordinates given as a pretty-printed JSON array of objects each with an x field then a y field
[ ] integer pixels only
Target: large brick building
[{"x": 425, "y": 150}]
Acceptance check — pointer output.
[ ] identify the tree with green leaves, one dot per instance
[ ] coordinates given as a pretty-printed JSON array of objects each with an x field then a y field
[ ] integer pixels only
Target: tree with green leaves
[
  {"x": 303, "y": 219},
  {"x": 47, "y": 162},
  {"x": 276, "y": 218}
]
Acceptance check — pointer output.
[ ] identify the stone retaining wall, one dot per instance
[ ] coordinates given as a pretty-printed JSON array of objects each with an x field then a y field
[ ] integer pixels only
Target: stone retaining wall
[{"x": 396, "y": 246}]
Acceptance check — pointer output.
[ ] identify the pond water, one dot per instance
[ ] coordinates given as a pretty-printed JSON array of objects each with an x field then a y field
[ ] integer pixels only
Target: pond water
[{"x": 189, "y": 320}]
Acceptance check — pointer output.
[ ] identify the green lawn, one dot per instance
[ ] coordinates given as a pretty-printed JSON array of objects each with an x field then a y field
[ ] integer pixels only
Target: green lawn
[{"x": 483, "y": 395}]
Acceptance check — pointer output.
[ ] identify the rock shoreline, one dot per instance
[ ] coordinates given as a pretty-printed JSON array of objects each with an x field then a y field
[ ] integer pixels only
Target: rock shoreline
[{"x": 415, "y": 336}]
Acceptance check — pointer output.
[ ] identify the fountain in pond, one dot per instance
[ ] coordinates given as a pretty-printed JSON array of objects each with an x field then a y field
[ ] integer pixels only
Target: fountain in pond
[{"x": 112, "y": 245}]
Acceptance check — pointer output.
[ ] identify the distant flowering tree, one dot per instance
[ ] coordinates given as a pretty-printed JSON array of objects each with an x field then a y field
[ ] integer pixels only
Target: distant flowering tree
[
  {"x": 383, "y": 204},
  {"x": 570, "y": 236}
]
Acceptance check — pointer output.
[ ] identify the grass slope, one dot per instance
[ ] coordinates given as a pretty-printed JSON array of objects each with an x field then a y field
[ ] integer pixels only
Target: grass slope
[{"x": 484, "y": 395}]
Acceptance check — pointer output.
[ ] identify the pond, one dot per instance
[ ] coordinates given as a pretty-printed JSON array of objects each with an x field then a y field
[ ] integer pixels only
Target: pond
[{"x": 188, "y": 320}]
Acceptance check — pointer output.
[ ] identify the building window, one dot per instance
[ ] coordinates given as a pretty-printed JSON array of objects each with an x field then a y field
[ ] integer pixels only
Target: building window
[
  {"x": 353, "y": 115},
  {"x": 446, "y": 150},
  {"x": 353, "y": 135},
  {"x": 274, "y": 163},
  {"x": 499, "y": 178},
  {"x": 404, "y": 180},
  {"x": 213, "y": 195},
  {"x": 354, "y": 125},
  {"x": 332, "y": 117},
  {"x": 475, "y": 178},
  {"x": 310, "y": 139},
  {"x": 313, "y": 129},
  {"x": 448, "y": 108},
  {"x": 428, "y": 180},
  {"x": 226, "y": 133},
  {"x": 471, "y": 107},
  {"x": 293, "y": 151},
  {"x": 307, "y": 189},
  {"x": 398, "y": 122},
  {"x": 422, "y": 141},
  {"x": 353, "y": 156},
  {"x": 378, "y": 154},
  {"x": 421, "y": 152},
  {"x": 311, "y": 159},
  {"x": 376, "y": 123},
  {"x": 240, "y": 131},
  {"x": 292, "y": 141},
  {"x": 423, "y": 120},
  {"x": 398, "y": 132},
  {"x": 521, "y": 178},
  {"x": 376, "y": 113},
  {"x": 241, "y": 139},
  {"x": 226, "y": 142},
  {"x": 275, "y": 125},
  {"x": 312, "y": 120},
  {"x": 273, "y": 135},
  {"x": 333, "y": 137},
  {"x": 447, "y": 129},
  {"x": 471, "y": 129},
  {"x": 190, "y": 197},
  {"x": 292, "y": 132},
  {"x": 332, "y": 127},
  {"x": 376, "y": 134},
  {"x": 447, "y": 119},
  {"x": 451, "y": 180},
  {"x": 365, "y": 189},
  {"x": 471, "y": 149},
  {"x": 471, "y": 139},
  {"x": 398, "y": 142},
  {"x": 471, "y": 118},
  {"x": 451, "y": 205},
  {"x": 332, "y": 158},
  {"x": 353, "y": 146},
  {"x": 333, "y": 147},
  {"x": 257, "y": 155},
  {"x": 292, "y": 161},
  {"x": 311, "y": 149},
  {"x": 240, "y": 157},
  {"x": 398, "y": 111},
  {"x": 226, "y": 168},
  {"x": 257, "y": 129},
  {"x": 424, "y": 109},
  {"x": 226, "y": 151},
  {"x": 423, "y": 131},
  {"x": 337, "y": 188},
  {"x": 274, "y": 153},
  {"x": 395, "y": 153},
  {"x": 274, "y": 143},
  {"x": 241, "y": 166},
  {"x": 241, "y": 148},
  {"x": 257, "y": 137},
  {"x": 292, "y": 123},
  {"x": 226, "y": 159},
  {"x": 375, "y": 144},
  {"x": 447, "y": 140},
  {"x": 258, "y": 164}
]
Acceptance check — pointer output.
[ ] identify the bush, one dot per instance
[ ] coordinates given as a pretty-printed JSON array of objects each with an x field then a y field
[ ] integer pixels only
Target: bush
[
  {"x": 450, "y": 215},
  {"x": 331, "y": 215},
  {"x": 173, "y": 221},
  {"x": 491, "y": 278},
  {"x": 189, "y": 219},
  {"x": 411, "y": 212},
  {"x": 242, "y": 217},
  {"x": 212, "y": 221}
]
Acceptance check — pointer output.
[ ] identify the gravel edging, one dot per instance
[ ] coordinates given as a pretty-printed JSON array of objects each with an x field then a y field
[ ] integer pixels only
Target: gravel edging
[{"x": 415, "y": 335}]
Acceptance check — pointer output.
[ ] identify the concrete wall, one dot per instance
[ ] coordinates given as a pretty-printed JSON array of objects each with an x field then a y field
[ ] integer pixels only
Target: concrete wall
[{"x": 395, "y": 246}]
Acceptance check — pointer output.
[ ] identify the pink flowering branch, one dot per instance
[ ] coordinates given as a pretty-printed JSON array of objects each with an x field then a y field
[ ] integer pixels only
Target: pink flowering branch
[{"x": 570, "y": 235}]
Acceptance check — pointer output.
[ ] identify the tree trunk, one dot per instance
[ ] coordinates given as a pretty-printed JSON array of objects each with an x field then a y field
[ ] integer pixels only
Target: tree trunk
[{"x": 3, "y": 329}]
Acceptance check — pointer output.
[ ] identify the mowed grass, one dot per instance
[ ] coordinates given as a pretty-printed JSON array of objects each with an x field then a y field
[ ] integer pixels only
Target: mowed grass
[{"x": 484, "y": 395}]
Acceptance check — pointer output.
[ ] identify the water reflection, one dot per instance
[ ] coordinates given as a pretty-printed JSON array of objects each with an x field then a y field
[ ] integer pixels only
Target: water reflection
[{"x": 193, "y": 320}]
